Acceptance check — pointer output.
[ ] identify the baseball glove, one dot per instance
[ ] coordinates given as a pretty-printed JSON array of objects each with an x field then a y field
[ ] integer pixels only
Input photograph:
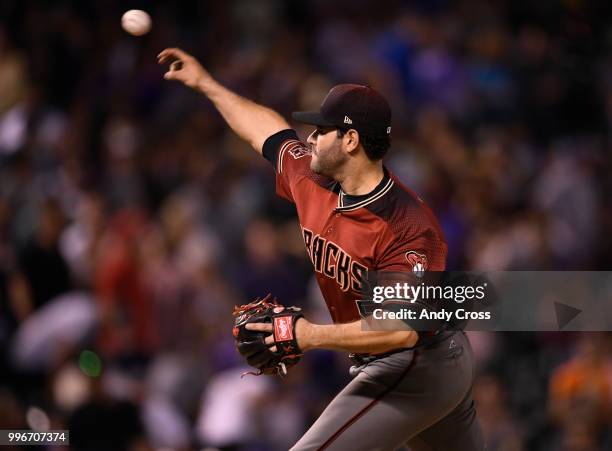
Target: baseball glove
[{"x": 251, "y": 344}]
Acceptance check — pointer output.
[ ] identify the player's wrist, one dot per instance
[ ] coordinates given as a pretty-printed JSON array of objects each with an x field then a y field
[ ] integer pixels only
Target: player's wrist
[
  {"x": 305, "y": 334},
  {"x": 205, "y": 83}
]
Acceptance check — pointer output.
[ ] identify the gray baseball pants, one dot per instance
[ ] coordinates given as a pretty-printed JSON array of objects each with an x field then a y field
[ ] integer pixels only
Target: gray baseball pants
[{"x": 418, "y": 398}]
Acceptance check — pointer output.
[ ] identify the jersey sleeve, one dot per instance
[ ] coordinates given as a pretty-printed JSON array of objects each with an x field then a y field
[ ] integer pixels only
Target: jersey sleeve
[
  {"x": 291, "y": 160},
  {"x": 417, "y": 253}
]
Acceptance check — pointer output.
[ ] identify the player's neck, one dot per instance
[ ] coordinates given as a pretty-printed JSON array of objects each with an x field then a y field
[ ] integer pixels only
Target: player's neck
[{"x": 361, "y": 179}]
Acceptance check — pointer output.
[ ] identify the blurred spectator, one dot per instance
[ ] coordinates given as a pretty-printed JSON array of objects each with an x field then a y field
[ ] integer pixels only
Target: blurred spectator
[
  {"x": 13, "y": 76},
  {"x": 268, "y": 269},
  {"x": 79, "y": 241},
  {"x": 122, "y": 429},
  {"x": 127, "y": 318},
  {"x": 52, "y": 332},
  {"x": 228, "y": 395},
  {"x": 174, "y": 256},
  {"x": 500, "y": 429},
  {"x": 43, "y": 272},
  {"x": 581, "y": 392}
]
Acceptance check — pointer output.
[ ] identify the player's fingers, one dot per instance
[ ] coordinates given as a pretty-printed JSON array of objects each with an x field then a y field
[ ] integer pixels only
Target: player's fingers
[
  {"x": 270, "y": 341},
  {"x": 176, "y": 65},
  {"x": 170, "y": 75},
  {"x": 166, "y": 53},
  {"x": 259, "y": 327},
  {"x": 173, "y": 52},
  {"x": 172, "y": 71},
  {"x": 164, "y": 56}
]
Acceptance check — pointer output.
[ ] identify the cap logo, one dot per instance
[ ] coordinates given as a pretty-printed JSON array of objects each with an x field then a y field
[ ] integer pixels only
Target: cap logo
[
  {"x": 388, "y": 130},
  {"x": 347, "y": 120}
]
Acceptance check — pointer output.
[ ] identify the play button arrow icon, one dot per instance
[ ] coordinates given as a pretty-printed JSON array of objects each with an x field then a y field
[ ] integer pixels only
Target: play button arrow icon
[{"x": 565, "y": 314}]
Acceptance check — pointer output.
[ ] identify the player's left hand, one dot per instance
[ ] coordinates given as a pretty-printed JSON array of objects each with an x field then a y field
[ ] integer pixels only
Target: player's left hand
[
  {"x": 302, "y": 326},
  {"x": 265, "y": 334},
  {"x": 263, "y": 327}
]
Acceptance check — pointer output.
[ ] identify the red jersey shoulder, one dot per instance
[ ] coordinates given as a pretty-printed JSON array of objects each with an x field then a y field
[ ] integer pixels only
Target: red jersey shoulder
[
  {"x": 404, "y": 211},
  {"x": 291, "y": 160},
  {"x": 414, "y": 238}
]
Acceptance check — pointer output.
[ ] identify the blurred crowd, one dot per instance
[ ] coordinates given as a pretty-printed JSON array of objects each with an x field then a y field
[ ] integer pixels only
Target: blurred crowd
[{"x": 132, "y": 219}]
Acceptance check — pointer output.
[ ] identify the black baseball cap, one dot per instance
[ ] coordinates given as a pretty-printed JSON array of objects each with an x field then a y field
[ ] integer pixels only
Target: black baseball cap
[{"x": 351, "y": 106}]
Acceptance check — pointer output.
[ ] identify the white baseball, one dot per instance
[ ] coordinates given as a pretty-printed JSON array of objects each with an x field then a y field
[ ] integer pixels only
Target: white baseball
[{"x": 136, "y": 22}]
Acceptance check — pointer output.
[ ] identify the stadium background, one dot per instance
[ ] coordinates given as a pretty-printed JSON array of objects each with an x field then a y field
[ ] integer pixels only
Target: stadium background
[{"x": 132, "y": 220}]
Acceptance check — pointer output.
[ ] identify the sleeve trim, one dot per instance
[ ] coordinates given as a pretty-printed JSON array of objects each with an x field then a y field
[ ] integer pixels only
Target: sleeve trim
[
  {"x": 289, "y": 145},
  {"x": 272, "y": 146}
]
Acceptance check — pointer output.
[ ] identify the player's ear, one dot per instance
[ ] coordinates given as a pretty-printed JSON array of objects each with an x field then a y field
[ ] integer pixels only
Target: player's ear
[{"x": 351, "y": 140}]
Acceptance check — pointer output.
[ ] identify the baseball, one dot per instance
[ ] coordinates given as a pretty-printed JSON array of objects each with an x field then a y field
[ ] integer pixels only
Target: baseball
[{"x": 136, "y": 22}]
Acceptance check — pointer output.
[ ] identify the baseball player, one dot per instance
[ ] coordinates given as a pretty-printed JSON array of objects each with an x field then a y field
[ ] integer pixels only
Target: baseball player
[{"x": 356, "y": 217}]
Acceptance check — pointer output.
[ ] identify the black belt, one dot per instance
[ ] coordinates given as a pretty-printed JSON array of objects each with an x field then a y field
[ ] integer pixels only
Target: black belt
[
  {"x": 426, "y": 341},
  {"x": 363, "y": 359}
]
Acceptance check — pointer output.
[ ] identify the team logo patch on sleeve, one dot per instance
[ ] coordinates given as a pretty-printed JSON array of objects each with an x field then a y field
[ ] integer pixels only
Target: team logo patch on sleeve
[
  {"x": 298, "y": 151},
  {"x": 418, "y": 262},
  {"x": 295, "y": 148}
]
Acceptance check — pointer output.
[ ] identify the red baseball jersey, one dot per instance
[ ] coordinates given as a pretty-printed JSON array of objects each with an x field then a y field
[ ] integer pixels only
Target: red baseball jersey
[{"x": 389, "y": 229}]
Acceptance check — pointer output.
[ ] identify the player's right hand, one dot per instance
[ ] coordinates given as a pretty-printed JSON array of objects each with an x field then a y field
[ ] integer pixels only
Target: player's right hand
[{"x": 183, "y": 67}]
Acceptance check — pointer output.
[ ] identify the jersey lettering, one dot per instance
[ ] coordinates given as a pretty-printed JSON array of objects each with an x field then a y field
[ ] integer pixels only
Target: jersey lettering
[
  {"x": 342, "y": 273},
  {"x": 358, "y": 273},
  {"x": 317, "y": 252},
  {"x": 308, "y": 241},
  {"x": 331, "y": 255},
  {"x": 331, "y": 260}
]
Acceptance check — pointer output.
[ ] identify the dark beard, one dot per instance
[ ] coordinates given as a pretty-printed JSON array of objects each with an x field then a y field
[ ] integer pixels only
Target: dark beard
[{"x": 329, "y": 165}]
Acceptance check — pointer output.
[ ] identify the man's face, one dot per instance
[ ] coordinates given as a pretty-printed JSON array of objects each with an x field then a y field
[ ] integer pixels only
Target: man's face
[{"x": 327, "y": 153}]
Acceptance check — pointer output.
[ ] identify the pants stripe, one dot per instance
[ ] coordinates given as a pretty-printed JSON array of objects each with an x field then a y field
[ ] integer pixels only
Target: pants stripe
[{"x": 372, "y": 403}]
